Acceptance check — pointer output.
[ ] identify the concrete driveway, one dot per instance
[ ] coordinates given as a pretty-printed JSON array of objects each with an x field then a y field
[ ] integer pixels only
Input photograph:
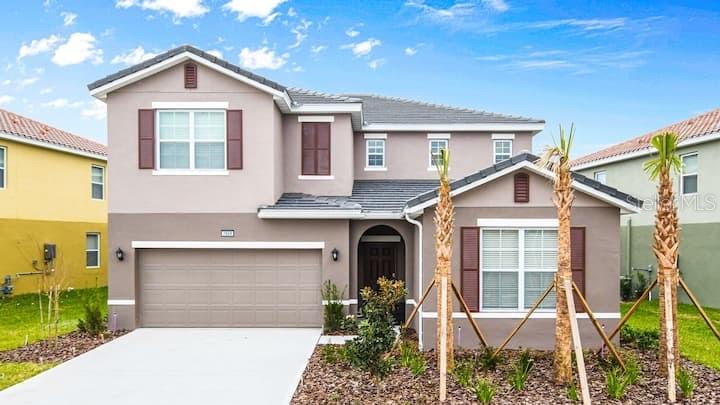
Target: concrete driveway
[{"x": 177, "y": 366}]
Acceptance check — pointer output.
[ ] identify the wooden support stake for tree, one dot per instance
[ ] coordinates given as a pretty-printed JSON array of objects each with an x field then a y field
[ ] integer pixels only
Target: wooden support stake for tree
[
  {"x": 598, "y": 327},
  {"x": 582, "y": 376},
  {"x": 632, "y": 310},
  {"x": 465, "y": 308},
  {"x": 700, "y": 309},
  {"x": 417, "y": 307},
  {"x": 527, "y": 316},
  {"x": 443, "y": 338},
  {"x": 669, "y": 333}
]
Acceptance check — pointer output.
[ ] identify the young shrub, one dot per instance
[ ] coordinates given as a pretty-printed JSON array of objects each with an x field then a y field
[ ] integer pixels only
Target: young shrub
[
  {"x": 349, "y": 324},
  {"x": 686, "y": 383},
  {"x": 521, "y": 372},
  {"x": 487, "y": 361},
  {"x": 330, "y": 354},
  {"x": 417, "y": 365},
  {"x": 484, "y": 391},
  {"x": 408, "y": 353},
  {"x": 92, "y": 322},
  {"x": 642, "y": 339},
  {"x": 334, "y": 308},
  {"x": 617, "y": 382},
  {"x": 463, "y": 373},
  {"x": 572, "y": 392},
  {"x": 626, "y": 288},
  {"x": 632, "y": 370},
  {"x": 375, "y": 330}
]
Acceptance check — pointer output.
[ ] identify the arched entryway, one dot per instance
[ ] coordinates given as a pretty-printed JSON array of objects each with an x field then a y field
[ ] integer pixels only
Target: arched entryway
[{"x": 381, "y": 253}]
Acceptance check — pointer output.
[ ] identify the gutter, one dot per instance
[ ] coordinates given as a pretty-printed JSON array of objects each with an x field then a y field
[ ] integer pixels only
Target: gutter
[{"x": 419, "y": 226}]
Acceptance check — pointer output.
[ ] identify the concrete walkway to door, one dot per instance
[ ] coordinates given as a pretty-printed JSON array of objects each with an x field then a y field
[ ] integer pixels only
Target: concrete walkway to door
[{"x": 178, "y": 367}]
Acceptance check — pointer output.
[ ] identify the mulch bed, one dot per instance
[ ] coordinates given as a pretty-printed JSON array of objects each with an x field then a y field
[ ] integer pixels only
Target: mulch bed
[
  {"x": 57, "y": 350},
  {"x": 324, "y": 383}
]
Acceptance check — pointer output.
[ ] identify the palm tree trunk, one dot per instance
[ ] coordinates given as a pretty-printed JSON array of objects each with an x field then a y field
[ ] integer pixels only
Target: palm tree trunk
[
  {"x": 444, "y": 222},
  {"x": 563, "y": 197}
]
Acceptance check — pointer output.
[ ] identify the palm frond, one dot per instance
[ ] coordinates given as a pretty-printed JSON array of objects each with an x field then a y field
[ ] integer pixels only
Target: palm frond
[
  {"x": 444, "y": 164},
  {"x": 553, "y": 157},
  {"x": 667, "y": 157}
]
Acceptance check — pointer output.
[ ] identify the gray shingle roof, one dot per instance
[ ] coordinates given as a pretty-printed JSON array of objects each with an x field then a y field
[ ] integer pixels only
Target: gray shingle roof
[
  {"x": 304, "y": 96},
  {"x": 393, "y": 110},
  {"x": 301, "y": 201}
]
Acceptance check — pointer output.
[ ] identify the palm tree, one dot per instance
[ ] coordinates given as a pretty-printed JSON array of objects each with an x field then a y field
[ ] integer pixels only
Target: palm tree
[
  {"x": 666, "y": 236},
  {"x": 557, "y": 159}
]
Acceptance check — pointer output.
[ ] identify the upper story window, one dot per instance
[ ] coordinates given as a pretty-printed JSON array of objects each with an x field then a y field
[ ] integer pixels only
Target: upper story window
[
  {"x": 92, "y": 250},
  {"x": 436, "y": 143},
  {"x": 315, "y": 149},
  {"x": 502, "y": 149},
  {"x": 375, "y": 151},
  {"x": 3, "y": 166},
  {"x": 600, "y": 176},
  {"x": 689, "y": 174},
  {"x": 97, "y": 182},
  {"x": 191, "y": 139}
]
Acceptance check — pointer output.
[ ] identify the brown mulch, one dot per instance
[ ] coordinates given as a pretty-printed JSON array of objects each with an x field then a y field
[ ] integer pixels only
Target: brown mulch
[
  {"x": 324, "y": 383},
  {"x": 58, "y": 350}
]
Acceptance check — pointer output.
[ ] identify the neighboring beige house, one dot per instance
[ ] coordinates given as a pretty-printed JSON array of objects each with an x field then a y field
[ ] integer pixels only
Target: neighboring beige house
[{"x": 233, "y": 197}]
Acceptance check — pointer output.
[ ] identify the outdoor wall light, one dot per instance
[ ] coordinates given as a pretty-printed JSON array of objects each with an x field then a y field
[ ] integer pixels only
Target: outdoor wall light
[
  {"x": 335, "y": 254},
  {"x": 120, "y": 254}
]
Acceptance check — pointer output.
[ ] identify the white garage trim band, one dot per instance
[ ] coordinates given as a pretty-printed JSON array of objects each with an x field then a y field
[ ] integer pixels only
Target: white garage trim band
[
  {"x": 121, "y": 302},
  {"x": 150, "y": 244}
]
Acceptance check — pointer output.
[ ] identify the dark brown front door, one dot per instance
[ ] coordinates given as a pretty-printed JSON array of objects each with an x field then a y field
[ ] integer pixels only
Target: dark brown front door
[{"x": 381, "y": 259}]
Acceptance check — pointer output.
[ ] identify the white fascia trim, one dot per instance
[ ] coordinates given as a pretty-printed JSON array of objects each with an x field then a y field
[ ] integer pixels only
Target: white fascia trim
[
  {"x": 438, "y": 136},
  {"x": 181, "y": 244},
  {"x": 327, "y": 108},
  {"x": 644, "y": 152},
  {"x": 190, "y": 105},
  {"x": 306, "y": 177},
  {"x": 352, "y": 301},
  {"x": 189, "y": 172},
  {"x": 375, "y": 169},
  {"x": 375, "y": 136},
  {"x": 517, "y": 222},
  {"x": 309, "y": 214},
  {"x": 102, "y": 91},
  {"x": 520, "y": 315},
  {"x": 46, "y": 145},
  {"x": 503, "y": 136},
  {"x": 121, "y": 302},
  {"x": 529, "y": 166},
  {"x": 499, "y": 127},
  {"x": 316, "y": 118}
]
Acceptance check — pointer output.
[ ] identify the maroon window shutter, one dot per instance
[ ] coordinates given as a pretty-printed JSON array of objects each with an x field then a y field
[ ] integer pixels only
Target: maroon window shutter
[
  {"x": 315, "y": 148},
  {"x": 234, "y": 140},
  {"x": 522, "y": 188},
  {"x": 146, "y": 139},
  {"x": 190, "y": 76},
  {"x": 322, "y": 134},
  {"x": 577, "y": 262},
  {"x": 470, "y": 266},
  {"x": 308, "y": 149}
]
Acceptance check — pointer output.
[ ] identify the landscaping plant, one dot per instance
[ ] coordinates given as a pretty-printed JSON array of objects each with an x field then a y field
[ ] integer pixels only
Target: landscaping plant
[
  {"x": 417, "y": 365},
  {"x": 686, "y": 382},
  {"x": 484, "y": 391},
  {"x": 487, "y": 361},
  {"x": 617, "y": 382},
  {"x": 92, "y": 322},
  {"x": 330, "y": 354},
  {"x": 521, "y": 372},
  {"x": 334, "y": 315},
  {"x": 463, "y": 372},
  {"x": 572, "y": 392},
  {"x": 642, "y": 339},
  {"x": 557, "y": 159}
]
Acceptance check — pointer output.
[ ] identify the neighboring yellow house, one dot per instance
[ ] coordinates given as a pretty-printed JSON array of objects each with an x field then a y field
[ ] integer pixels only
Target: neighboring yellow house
[{"x": 52, "y": 191}]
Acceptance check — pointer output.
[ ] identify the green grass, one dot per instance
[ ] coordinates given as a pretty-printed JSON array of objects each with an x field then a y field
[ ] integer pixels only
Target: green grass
[
  {"x": 697, "y": 342},
  {"x": 13, "y": 373},
  {"x": 20, "y": 317}
]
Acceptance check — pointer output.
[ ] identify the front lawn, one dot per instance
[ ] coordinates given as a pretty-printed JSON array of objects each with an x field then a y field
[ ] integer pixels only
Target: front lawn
[
  {"x": 13, "y": 373},
  {"x": 697, "y": 341}
]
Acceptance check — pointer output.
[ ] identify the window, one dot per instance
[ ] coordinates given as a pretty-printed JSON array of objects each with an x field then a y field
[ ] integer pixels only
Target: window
[
  {"x": 435, "y": 146},
  {"x": 601, "y": 176},
  {"x": 92, "y": 250},
  {"x": 375, "y": 153},
  {"x": 502, "y": 149},
  {"x": 315, "y": 149},
  {"x": 517, "y": 266},
  {"x": 689, "y": 175},
  {"x": 97, "y": 182},
  {"x": 3, "y": 166},
  {"x": 191, "y": 140}
]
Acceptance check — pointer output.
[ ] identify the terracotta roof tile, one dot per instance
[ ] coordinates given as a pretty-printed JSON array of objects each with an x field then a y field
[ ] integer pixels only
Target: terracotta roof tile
[
  {"x": 18, "y": 125},
  {"x": 699, "y": 125}
]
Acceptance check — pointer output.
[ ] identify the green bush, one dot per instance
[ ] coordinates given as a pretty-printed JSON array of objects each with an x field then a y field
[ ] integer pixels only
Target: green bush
[
  {"x": 487, "y": 361},
  {"x": 640, "y": 338},
  {"x": 330, "y": 354},
  {"x": 334, "y": 315},
  {"x": 617, "y": 383},
  {"x": 484, "y": 391},
  {"x": 686, "y": 383},
  {"x": 521, "y": 371},
  {"x": 417, "y": 365},
  {"x": 572, "y": 392},
  {"x": 632, "y": 369},
  {"x": 375, "y": 330},
  {"x": 92, "y": 322},
  {"x": 626, "y": 288},
  {"x": 463, "y": 372}
]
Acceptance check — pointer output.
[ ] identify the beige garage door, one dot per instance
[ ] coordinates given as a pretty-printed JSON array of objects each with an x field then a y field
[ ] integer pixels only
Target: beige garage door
[{"x": 229, "y": 288}]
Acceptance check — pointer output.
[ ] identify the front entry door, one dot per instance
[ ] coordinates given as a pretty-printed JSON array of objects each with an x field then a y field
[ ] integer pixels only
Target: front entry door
[{"x": 381, "y": 259}]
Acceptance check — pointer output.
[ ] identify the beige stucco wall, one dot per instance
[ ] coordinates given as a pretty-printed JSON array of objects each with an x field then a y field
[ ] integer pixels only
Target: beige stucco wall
[{"x": 406, "y": 154}]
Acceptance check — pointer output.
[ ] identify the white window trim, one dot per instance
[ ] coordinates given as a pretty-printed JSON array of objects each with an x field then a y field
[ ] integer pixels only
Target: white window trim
[
  {"x": 494, "y": 149},
  {"x": 316, "y": 118},
  {"x": 93, "y": 183},
  {"x": 431, "y": 166},
  {"x": 190, "y": 105},
  {"x": 191, "y": 140},
  {"x": 375, "y": 136},
  {"x": 369, "y": 168},
  {"x": 503, "y": 136},
  {"x": 683, "y": 174},
  {"x": 438, "y": 136},
  {"x": 595, "y": 176},
  {"x": 93, "y": 250},
  {"x": 4, "y": 167},
  {"x": 517, "y": 222}
]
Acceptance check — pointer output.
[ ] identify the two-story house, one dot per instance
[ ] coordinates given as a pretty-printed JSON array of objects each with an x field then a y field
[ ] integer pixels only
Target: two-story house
[{"x": 233, "y": 197}]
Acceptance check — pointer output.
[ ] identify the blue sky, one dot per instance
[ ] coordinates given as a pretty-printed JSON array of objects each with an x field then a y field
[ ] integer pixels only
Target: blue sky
[{"x": 615, "y": 68}]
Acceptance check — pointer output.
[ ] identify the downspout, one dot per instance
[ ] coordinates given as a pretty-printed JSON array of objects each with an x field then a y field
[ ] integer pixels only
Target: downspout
[
  {"x": 419, "y": 226},
  {"x": 629, "y": 247}
]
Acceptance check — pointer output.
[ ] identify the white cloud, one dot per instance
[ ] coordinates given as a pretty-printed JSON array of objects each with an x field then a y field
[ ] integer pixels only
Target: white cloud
[
  {"x": 6, "y": 82},
  {"x": 300, "y": 32},
  {"x": 68, "y": 18},
  {"x": 262, "y": 58},
  {"x": 253, "y": 8},
  {"x": 497, "y": 5},
  {"x": 595, "y": 24},
  {"x": 409, "y": 51},
  {"x": 364, "y": 47},
  {"x": 46, "y": 90},
  {"x": 28, "y": 81},
  {"x": 436, "y": 13},
  {"x": 291, "y": 12},
  {"x": 38, "y": 46},
  {"x": 178, "y": 8},
  {"x": 297, "y": 68},
  {"x": 376, "y": 63},
  {"x": 352, "y": 32},
  {"x": 78, "y": 49},
  {"x": 317, "y": 49},
  {"x": 133, "y": 57},
  {"x": 6, "y": 99},
  {"x": 96, "y": 110},
  {"x": 63, "y": 103},
  {"x": 216, "y": 53}
]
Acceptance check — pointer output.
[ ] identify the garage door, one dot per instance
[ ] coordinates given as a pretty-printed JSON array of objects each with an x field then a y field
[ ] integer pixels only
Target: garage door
[{"x": 229, "y": 288}]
